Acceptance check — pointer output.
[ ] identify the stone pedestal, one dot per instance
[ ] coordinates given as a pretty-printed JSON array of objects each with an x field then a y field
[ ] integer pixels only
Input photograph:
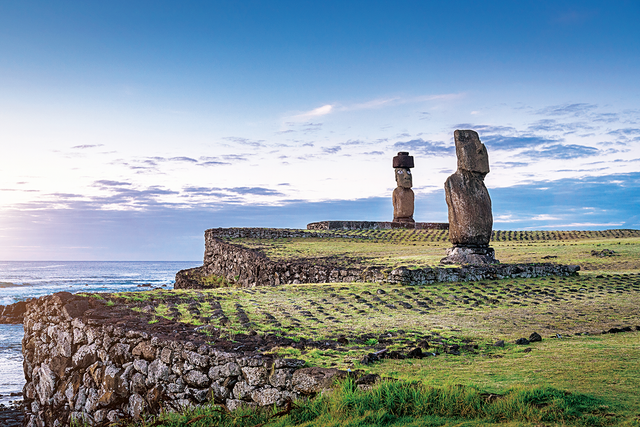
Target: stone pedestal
[{"x": 470, "y": 255}]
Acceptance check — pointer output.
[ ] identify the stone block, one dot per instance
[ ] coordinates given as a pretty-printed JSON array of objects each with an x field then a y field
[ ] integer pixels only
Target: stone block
[
  {"x": 255, "y": 376},
  {"x": 196, "y": 378}
]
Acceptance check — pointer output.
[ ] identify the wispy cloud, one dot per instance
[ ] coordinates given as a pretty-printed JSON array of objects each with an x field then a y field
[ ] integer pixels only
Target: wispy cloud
[
  {"x": 544, "y": 217},
  {"x": 560, "y": 151},
  {"x": 182, "y": 159},
  {"x": 261, "y": 191},
  {"x": 425, "y": 148},
  {"x": 84, "y": 147},
  {"x": 582, "y": 224},
  {"x": 372, "y": 104},
  {"x": 316, "y": 112},
  {"x": 259, "y": 143},
  {"x": 485, "y": 129},
  {"x": 513, "y": 142},
  {"x": 108, "y": 183},
  {"x": 331, "y": 150},
  {"x": 552, "y": 125},
  {"x": 626, "y": 134},
  {"x": 575, "y": 110}
]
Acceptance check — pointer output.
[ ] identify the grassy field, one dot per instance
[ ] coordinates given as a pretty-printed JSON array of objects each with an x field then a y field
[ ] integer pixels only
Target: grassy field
[
  {"x": 455, "y": 324},
  {"x": 425, "y": 248}
]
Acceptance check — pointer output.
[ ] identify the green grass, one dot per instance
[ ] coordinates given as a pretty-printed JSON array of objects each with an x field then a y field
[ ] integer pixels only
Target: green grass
[
  {"x": 425, "y": 248},
  {"x": 416, "y": 404}
]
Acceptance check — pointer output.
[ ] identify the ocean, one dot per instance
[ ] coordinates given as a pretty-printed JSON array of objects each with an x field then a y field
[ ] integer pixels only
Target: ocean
[{"x": 20, "y": 280}]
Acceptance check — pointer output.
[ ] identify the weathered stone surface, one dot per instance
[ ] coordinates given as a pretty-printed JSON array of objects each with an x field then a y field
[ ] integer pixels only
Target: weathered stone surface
[
  {"x": 166, "y": 355},
  {"x": 535, "y": 337},
  {"x": 313, "y": 380},
  {"x": 372, "y": 225},
  {"x": 46, "y": 385},
  {"x": 288, "y": 363},
  {"x": 145, "y": 350},
  {"x": 255, "y": 376},
  {"x": 157, "y": 372},
  {"x": 242, "y": 390},
  {"x": 120, "y": 353},
  {"x": 195, "y": 358},
  {"x": 266, "y": 396},
  {"x": 196, "y": 378},
  {"x": 141, "y": 366},
  {"x": 470, "y": 217},
  {"x": 403, "y": 205},
  {"x": 136, "y": 406},
  {"x": 138, "y": 384},
  {"x": 85, "y": 356},
  {"x": 467, "y": 255},
  {"x": 281, "y": 378}
]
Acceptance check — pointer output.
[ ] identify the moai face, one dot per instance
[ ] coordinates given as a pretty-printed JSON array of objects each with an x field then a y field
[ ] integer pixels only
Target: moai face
[
  {"x": 403, "y": 177},
  {"x": 472, "y": 154}
]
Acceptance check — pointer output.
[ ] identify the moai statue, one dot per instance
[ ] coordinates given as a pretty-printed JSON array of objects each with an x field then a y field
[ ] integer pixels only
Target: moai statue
[
  {"x": 403, "y": 195},
  {"x": 470, "y": 218}
]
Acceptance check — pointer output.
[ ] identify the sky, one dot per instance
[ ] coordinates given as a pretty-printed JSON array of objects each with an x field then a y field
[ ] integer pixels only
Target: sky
[{"x": 129, "y": 128}]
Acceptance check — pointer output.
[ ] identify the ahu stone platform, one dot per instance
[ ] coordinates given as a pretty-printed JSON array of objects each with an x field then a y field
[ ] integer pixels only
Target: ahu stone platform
[{"x": 246, "y": 267}]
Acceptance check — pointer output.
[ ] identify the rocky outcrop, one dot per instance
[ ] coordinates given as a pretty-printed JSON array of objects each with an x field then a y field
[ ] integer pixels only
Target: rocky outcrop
[
  {"x": 86, "y": 361},
  {"x": 244, "y": 267},
  {"x": 12, "y": 314}
]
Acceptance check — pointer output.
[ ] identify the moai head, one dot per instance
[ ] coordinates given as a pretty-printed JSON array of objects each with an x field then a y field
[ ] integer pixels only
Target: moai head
[
  {"x": 472, "y": 154},
  {"x": 402, "y": 164}
]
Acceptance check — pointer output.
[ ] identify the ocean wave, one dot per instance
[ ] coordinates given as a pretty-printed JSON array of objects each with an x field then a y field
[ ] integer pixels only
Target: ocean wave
[
  {"x": 12, "y": 285},
  {"x": 7, "y": 300}
]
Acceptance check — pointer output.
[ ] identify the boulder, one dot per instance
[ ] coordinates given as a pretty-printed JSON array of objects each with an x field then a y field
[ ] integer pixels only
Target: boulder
[
  {"x": 535, "y": 337},
  {"x": 313, "y": 380}
]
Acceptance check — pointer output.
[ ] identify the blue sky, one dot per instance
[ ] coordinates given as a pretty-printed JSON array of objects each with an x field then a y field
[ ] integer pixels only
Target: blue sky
[{"x": 128, "y": 128}]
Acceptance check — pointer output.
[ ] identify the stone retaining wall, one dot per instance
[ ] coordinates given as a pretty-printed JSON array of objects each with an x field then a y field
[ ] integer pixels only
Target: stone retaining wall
[
  {"x": 87, "y": 361},
  {"x": 246, "y": 267},
  {"x": 268, "y": 233},
  {"x": 375, "y": 225}
]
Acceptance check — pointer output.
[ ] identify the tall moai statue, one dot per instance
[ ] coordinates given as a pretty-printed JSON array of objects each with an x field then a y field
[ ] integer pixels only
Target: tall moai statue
[
  {"x": 403, "y": 194},
  {"x": 470, "y": 217}
]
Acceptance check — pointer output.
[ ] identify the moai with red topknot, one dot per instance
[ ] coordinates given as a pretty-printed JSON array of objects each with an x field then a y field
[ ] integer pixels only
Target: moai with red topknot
[{"x": 403, "y": 197}]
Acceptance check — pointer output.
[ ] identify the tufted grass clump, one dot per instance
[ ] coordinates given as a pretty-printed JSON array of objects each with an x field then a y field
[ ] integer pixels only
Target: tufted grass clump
[{"x": 412, "y": 403}]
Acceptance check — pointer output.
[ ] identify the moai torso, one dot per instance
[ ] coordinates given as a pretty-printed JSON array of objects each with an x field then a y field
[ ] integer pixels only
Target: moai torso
[
  {"x": 470, "y": 217},
  {"x": 403, "y": 199}
]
